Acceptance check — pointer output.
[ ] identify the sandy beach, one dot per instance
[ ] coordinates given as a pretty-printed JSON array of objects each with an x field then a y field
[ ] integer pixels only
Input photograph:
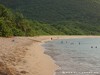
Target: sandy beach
[{"x": 25, "y": 55}]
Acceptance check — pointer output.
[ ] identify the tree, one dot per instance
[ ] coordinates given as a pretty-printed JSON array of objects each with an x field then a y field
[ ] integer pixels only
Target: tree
[{"x": 5, "y": 30}]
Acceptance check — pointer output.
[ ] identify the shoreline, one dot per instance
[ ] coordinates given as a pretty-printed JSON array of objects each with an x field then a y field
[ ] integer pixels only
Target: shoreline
[
  {"x": 42, "y": 63},
  {"x": 48, "y": 38},
  {"x": 63, "y": 37},
  {"x": 26, "y": 54}
]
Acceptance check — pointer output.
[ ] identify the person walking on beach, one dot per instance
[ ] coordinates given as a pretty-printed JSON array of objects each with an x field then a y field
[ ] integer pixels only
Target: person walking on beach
[{"x": 51, "y": 38}]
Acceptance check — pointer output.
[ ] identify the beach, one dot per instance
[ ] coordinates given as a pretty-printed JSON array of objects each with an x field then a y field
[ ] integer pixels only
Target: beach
[{"x": 25, "y": 55}]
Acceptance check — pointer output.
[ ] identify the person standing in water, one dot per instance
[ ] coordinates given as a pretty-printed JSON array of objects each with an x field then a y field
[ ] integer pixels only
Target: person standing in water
[
  {"x": 61, "y": 41},
  {"x": 79, "y": 43}
]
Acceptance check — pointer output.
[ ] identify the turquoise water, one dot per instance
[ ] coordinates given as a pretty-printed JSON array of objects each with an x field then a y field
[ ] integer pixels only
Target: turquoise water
[{"x": 75, "y": 56}]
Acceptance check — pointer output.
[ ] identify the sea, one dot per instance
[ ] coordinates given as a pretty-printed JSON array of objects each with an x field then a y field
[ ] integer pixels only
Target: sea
[{"x": 75, "y": 56}]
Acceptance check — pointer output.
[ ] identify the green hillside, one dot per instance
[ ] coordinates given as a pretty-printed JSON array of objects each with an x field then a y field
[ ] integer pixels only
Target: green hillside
[
  {"x": 49, "y": 17},
  {"x": 57, "y": 10},
  {"x": 15, "y": 24}
]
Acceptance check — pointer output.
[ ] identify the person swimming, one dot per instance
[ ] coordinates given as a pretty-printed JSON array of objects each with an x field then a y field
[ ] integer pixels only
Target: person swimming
[
  {"x": 96, "y": 47},
  {"x": 61, "y": 41},
  {"x": 91, "y": 46},
  {"x": 72, "y": 43}
]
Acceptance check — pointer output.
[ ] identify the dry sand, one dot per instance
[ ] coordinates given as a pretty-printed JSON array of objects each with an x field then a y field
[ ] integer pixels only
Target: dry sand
[{"x": 25, "y": 55}]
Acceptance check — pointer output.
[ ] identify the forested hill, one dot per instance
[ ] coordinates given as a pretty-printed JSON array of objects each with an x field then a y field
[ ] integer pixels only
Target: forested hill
[
  {"x": 49, "y": 17},
  {"x": 15, "y": 24},
  {"x": 57, "y": 10}
]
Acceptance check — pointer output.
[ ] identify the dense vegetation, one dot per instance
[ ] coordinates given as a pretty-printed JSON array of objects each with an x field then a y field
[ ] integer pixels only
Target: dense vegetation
[
  {"x": 57, "y": 10},
  {"x": 14, "y": 24},
  {"x": 49, "y": 17}
]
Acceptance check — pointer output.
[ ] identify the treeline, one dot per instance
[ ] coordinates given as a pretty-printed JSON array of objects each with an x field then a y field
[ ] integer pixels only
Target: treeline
[{"x": 15, "y": 24}]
